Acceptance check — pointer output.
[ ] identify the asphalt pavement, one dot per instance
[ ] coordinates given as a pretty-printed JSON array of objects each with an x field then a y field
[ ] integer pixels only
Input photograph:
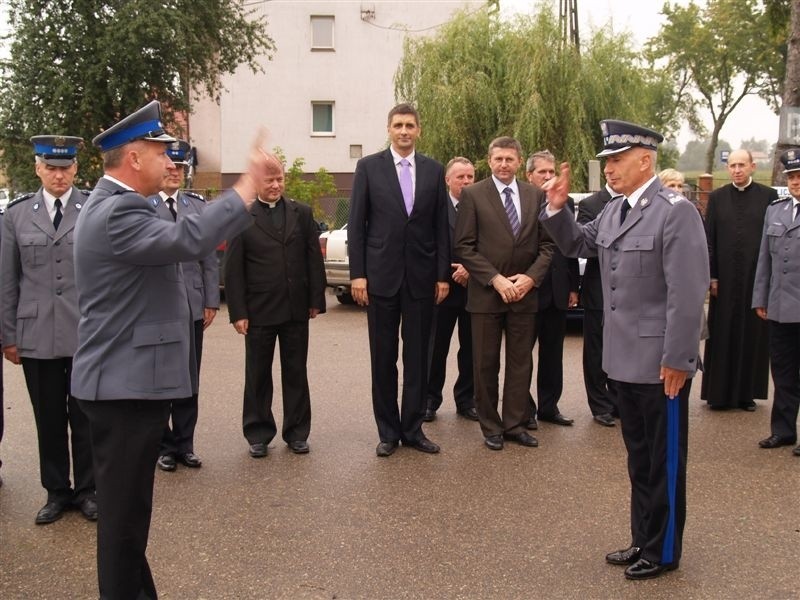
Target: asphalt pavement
[{"x": 467, "y": 523}]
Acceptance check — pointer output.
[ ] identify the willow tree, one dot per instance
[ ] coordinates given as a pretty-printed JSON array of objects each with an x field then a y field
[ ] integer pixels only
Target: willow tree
[
  {"x": 480, "y": 78},
  {"x": 76, "y": 66}
]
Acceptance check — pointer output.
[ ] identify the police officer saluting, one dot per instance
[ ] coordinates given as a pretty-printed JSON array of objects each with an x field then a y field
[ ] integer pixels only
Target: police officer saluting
[
  {"x": 776, "y": 299},
  {"x": 40, "y": 322}
]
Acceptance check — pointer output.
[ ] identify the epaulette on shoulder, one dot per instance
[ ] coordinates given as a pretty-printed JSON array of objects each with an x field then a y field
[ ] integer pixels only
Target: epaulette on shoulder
[
  {"x": 779, "y": 200},
  {"x": 671, "y": 196},
  {"x": 195, "y": 196},
  {"x": 20, "y": 199}
]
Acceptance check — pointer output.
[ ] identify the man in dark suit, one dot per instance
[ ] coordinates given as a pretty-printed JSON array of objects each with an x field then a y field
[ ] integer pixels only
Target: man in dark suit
[
  {"x": 452, "y": 310},
  {"x": 500, "y": 242},
  {"x": 557, "y": 292},
  {"x": 275, "y": 283},
  {"x": 134, "y": 353},
  {"x": 599, "y": 396},
  {"x": 399, "y": 252},
  {"x": 201, "y": 278},
  {"x": 40, "y": 322}
]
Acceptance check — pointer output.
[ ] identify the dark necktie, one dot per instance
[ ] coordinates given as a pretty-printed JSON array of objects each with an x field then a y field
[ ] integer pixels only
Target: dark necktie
[
  {"x": 511, "y": 211},
  {"x": 171, "y": 206},
  {"x": 58, "y": 215},
  {"x": 623, "y": 212},
  {"x": 796, "y": 212}
]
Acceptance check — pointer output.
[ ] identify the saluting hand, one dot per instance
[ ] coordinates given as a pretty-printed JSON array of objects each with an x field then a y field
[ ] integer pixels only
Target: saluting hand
[{"x": 557, "y": 189}]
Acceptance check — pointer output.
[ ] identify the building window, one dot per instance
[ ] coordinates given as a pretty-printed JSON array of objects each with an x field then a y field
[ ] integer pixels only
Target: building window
[
  {"x": 321, "y": 32},
  {"x": 322, "y": 118}
]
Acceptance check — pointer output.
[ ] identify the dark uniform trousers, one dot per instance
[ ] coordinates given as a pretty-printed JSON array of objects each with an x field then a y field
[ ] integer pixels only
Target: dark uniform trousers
[
  {"x": 126, "y": 436},
  {"x": 444, "y": 322},
  {"x": 551, "y": 327},
  {"x": 784, "y": 356},
  {"x": 179, "y": 439},
  {"x": 55, "y": 410},
  {"x": 600, "y": 397},
  {"x": 257, "y": 420},
  {"x": 655, "y": 430}
]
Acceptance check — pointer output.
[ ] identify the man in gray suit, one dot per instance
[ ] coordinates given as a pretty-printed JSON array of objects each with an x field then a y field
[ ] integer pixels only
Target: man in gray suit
[
  {"x": 202, "y": 288},
  {"x": 652, "y": 251},
  {"x": 40, "y": 322},
  {"x": 134, "y": 352}
]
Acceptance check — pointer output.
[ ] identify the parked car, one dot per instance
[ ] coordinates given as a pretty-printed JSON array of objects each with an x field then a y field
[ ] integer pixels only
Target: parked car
[{"x": 337, "y": 264}]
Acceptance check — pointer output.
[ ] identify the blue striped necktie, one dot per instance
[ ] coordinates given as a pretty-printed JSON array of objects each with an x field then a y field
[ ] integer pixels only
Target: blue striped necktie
[{"x": 511, "y": 211}]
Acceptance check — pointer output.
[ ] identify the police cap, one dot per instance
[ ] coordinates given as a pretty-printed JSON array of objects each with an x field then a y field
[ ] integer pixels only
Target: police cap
[
  {"x": 619, "y": 136},
  {"x": 56, "y": 150},
  {"x": 178, "y": 151},
  {"x": 791, "y": 160},
  {"x": 144, "y": 124}
]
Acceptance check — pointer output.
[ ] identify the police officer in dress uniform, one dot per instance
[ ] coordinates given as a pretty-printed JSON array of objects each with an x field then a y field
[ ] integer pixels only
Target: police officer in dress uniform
[
  {"x": 776, "y": 299},
  {"x": 40, "y": 322},
  {"x": 202, "y": 287},
  {"x": 134, "y": 352},
  {"x": 652, "y": 251}
]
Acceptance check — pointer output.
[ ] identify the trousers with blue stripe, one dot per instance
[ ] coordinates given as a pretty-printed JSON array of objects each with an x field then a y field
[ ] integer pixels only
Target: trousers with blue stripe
[{"x": 655, "y": 430}]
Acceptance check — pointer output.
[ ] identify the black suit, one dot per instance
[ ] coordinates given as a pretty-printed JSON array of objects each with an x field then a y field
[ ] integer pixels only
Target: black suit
[
  {"x": 451, "y": 311},
  {"x": 273, "y": 276},
  {"x": 402, "y": 256},
  {"x": 601, "y": 399}
]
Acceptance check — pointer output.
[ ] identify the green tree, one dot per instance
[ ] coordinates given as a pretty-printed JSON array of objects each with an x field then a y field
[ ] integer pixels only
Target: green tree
[
  {"x": 694, "y": 157},
  {"x": 727, "y": 50},
  {"x": 480, "y": 78},
  {"x": 305, "y": 189},
  {"x": 76, "y": 66}
]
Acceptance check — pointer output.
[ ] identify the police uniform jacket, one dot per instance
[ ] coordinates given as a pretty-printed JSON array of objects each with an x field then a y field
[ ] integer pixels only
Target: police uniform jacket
[
  {"x": 777, "y": 281},
  {"x": 201, "y": 276},
  {"x": 134, "y": 331},
  {"x": 39, "y": 301},
  {"x": 655, "y": 275}
]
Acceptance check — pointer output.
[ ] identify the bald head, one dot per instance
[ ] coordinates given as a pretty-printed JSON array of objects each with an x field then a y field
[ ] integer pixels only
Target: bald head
[{"x": 741, "y": 167}]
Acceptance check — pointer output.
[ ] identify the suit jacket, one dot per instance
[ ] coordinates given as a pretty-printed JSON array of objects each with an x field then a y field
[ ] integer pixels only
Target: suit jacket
[
  {"x": 200, "y": 276},
  {"x": 591, "y": 289},
  {"x": 655, "y": 278},
  {"x": 777, "y": 282},
  {"x": 388, "y": 246},
  {"x": 487, "y": 246},
  {"x": 39, "y": 300},
  {"x": 134, "y": 331},
  {"x": 272, "y": 276},
  {"x": 561, "y": 278},
  {"x": 457, "y": 298}
]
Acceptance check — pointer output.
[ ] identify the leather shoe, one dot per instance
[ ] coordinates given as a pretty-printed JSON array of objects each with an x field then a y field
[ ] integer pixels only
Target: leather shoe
[
  {"x": 385, "y": 449},
  {"x": 88, "y": 507},
  {"x": 645, "y": 569},
  {"x": 191, "y": 460},
  {"x": 523, "y": 439},
  {"x": 749, "y": 407},
  {"x": 50, "y": 512},
  {"x": 605, "y": 419},
  {"x": 628, "y": 556},
  {"x": 532, "y": 424},
  {"x": 258, "y": 450},
  {"x": 430, "y": 415},
  {"x": 776, "y": 441},
  {"x": 166, "y": 462},
  {"x": 494, "y": 442},
  {"x": 468, "y": 413},
  {"x": 298, "y": 446},
  {"x": 423, "y": 444},
  {"x": 557, "y": 419},
  {"x": 796, "y": 451}
]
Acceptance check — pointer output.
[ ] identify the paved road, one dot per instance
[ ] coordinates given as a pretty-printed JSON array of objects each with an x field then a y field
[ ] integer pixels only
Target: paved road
[{"x": 468, "y": 523}]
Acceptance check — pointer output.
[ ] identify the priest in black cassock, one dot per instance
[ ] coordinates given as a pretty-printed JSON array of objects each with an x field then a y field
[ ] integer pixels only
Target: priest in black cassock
[{"x": 736, "y": 357}]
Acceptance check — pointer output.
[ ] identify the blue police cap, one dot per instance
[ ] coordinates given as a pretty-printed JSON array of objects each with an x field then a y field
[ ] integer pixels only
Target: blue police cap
[
  {"x": 144, "y": 124},
  {"x": 619, "y": 136},
  {"x": 56, "y": 150},
  {"x": 791, "y": 160},
  {"x": 178, "y": 152}
]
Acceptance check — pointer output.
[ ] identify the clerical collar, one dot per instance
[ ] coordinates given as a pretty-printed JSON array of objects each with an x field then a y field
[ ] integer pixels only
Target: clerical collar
[
  {"x": 267, "y": 203},
  {"x": 746, "y": 185}
]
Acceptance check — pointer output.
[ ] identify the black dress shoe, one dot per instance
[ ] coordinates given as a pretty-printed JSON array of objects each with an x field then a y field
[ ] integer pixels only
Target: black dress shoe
[
  {"x": 50, "y": 512},
  {"x": 749, "y": 407},
  {"x": 605, "y": 419},
  {"x": 645, "y": 569},
  {"x": 430, "y": 415},
  {"x": 88, "y": 507},
  {"x": 523, "y": 439},
  {"x": 423, "y": 444},
  {"x": 468, "y": 413},
  {"x": 628, "y": 556},
  {"x": 796, "y": 451},
  {"x": 557, "y": 419},
  {"x": 385, "y": 449},
  {"x": 191, "y": 460},
  {"x": 776, "y": 441},
  {"x": 258, "y": 450},
  {"x": 298, "y": 446},
  {"x": 166, "y": 462},
  {"x": 532, "y": 424},
  {"x": 494, "y": 442}
]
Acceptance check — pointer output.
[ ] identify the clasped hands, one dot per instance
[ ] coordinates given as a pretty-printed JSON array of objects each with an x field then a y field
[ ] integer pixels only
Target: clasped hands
[{"x": 514, "y": 287}]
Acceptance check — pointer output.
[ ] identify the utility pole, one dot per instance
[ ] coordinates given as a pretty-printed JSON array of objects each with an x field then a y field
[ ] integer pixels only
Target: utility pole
[{"x": 568, "y": 17}]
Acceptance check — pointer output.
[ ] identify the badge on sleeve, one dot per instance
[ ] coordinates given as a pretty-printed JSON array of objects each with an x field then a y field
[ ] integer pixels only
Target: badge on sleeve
[{"x": 154, "y": 202}]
